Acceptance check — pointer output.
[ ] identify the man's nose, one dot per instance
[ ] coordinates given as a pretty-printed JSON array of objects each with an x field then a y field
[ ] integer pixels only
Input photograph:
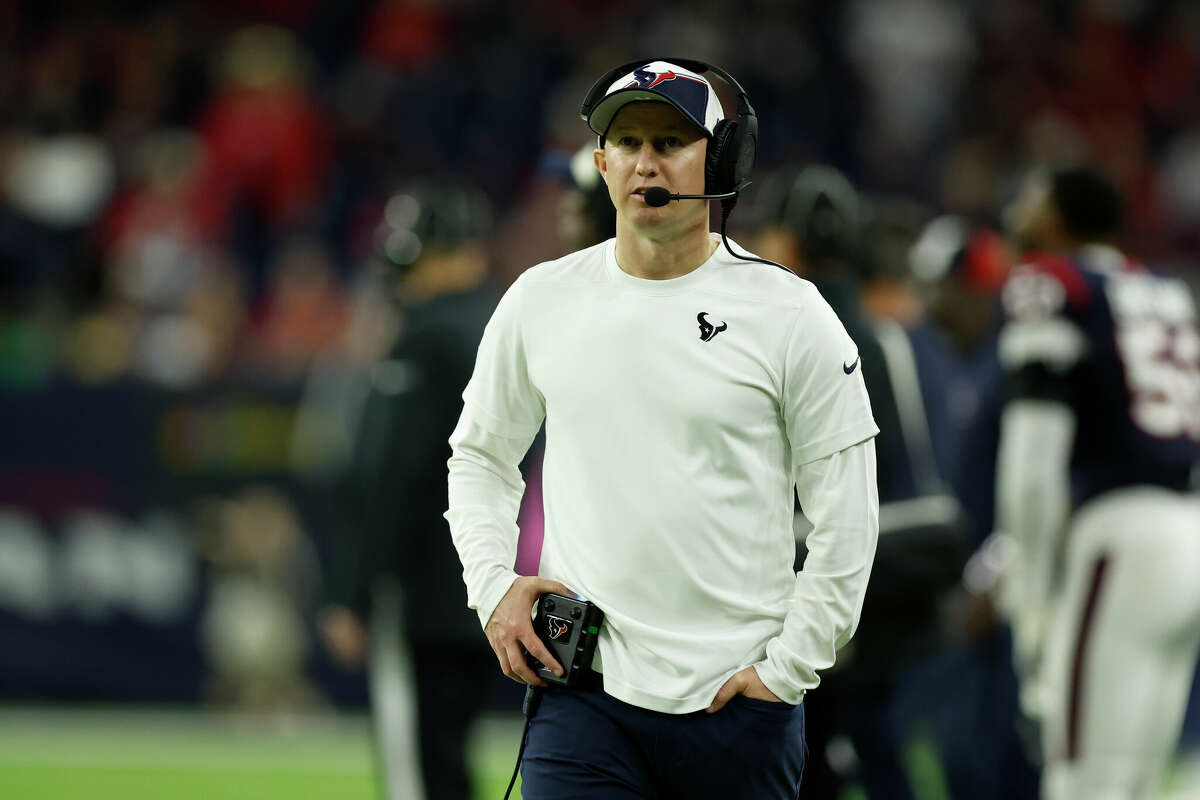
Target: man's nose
[{"x": 647, "y": 163}]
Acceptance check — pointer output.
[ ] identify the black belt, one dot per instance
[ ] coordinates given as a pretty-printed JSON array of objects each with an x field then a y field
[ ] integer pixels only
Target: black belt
[{"x": 590, "y": 679}]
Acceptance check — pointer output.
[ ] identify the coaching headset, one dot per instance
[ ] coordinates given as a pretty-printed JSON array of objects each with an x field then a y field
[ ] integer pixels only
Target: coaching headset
[
  {"x": 730, "y": 158},
  {"x": 731, "y": 148}
]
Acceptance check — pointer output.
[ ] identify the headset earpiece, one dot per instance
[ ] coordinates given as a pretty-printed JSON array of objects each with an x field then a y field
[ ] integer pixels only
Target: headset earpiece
[
  {"x": 731, "y": 152},
  {"x": 747, "y": 149},
  {"x": 719, "y": 164}
]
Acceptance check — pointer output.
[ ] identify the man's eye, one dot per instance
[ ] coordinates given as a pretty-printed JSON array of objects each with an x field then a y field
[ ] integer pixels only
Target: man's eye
[
  {"x": 672, "y": 141},
  {"x": 625, "y": 141}
]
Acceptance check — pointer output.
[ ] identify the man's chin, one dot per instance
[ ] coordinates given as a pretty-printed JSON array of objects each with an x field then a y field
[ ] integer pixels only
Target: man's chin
[{"x": 642, "y": 215}]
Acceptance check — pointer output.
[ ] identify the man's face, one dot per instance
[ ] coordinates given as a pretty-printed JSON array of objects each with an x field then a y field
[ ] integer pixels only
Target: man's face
[{"x": 652, "y": 144}]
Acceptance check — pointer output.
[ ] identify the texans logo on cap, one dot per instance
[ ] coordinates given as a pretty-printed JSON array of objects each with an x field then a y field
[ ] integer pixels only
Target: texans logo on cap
[
  {"x": 645, "y": 79},
  {"x": 661, "y": 81},
  {"x": 557, "y": 627}
]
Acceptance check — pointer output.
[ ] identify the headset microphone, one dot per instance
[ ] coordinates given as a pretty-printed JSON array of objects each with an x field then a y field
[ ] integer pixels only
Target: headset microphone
[{"x": 657, "y": 196}]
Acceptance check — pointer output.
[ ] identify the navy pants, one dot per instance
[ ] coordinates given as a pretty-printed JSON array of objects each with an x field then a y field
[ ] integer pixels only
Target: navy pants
[{"x": 585, "y": 744}]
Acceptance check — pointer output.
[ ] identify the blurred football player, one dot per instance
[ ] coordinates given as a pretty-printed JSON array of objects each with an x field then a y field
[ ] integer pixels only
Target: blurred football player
[{"x": 1099, "y": 440}]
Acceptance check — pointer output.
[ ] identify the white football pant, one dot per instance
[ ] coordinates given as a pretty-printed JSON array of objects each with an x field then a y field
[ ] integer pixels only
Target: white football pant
[{"x": 1122, "y": 648}]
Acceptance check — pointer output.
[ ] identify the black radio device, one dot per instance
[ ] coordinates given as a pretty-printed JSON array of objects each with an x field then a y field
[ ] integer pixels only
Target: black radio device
[{"x": 569, "y": 627}]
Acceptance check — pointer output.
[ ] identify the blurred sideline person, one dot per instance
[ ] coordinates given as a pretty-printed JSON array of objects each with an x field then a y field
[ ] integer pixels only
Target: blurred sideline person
[
  {"x": 987, "y": 748},
  {"x": 1099, "y": 440},
  {"x": 685, "y": 392},
  {"x": 960, "y": 270},
  {"x": 812, "y": 219},
  {"x": 890, "y": 225},
  {"x": 587, "y": 216},
  {"x": 397, "y": 570}
]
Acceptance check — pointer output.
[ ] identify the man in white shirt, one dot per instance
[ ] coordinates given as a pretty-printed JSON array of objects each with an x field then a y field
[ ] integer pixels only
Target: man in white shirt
[{"x": 685, "y": 393}]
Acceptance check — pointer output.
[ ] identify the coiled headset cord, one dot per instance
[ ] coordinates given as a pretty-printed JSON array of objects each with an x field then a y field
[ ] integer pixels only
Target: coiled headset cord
[{"x": 529, "y": 707}]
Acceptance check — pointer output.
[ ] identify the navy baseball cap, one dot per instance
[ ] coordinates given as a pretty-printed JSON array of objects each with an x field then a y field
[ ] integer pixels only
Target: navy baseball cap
[{"x": 663, "y": 82}]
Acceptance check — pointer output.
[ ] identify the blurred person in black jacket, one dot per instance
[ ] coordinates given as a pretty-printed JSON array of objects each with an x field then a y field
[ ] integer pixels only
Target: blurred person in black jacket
[
  {"x": 397, "y": 568},
  {"x": 813, "y": 221}
]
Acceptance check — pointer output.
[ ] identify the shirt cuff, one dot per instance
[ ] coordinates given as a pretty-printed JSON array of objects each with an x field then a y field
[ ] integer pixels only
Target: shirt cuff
[
  {"x": 494, "y": 593},
  {"x": 773, "y": 679}
]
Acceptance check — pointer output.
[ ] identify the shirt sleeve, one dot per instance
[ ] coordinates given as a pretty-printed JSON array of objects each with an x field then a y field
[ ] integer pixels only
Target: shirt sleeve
[
  {"x": 839, "y": 496},
  {"x": 1033, "y": 499},
  {"x": 825, "y": 403},
  {"x": 502, "y": 413}
]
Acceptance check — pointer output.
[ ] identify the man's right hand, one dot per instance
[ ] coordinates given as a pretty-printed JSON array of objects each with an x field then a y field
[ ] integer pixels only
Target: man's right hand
[
  {"x": 510, "y": 630},
  {"x": 345, "y": 636}
]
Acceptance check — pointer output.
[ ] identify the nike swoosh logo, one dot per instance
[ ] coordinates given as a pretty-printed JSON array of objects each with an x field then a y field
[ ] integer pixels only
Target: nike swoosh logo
[{"x": 848, "y": 368}]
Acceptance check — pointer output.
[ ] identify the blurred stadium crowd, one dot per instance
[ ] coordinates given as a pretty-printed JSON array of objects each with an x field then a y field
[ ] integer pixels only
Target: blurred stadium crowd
[
  {"x": 200, "y": 201},
  {"x": 195, "y": 188}
]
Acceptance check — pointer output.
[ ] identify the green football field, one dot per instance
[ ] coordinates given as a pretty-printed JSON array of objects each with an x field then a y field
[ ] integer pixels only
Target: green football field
[
  {"x": 50, "y": 754},
  {"x": 111, "y": 754},
  {"x": 119, "y": 754}
]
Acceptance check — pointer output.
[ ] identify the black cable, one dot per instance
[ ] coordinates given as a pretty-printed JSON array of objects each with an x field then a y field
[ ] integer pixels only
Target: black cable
[
  {"x": 533, "y": 698},
  {"x": 726, "y": 208}
]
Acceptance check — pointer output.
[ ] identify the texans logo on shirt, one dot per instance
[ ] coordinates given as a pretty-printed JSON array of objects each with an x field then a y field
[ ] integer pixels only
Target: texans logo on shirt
[
  {"x": 557, "y": 627},
  {"x": 707, "y": 331}
]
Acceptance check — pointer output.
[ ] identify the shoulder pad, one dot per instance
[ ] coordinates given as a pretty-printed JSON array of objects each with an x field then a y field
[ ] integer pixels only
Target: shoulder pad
[{"x": 1043, "y": 285}]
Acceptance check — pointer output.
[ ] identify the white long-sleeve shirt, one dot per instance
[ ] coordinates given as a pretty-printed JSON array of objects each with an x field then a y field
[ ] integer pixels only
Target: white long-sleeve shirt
[{"x": 679, "y": 415}]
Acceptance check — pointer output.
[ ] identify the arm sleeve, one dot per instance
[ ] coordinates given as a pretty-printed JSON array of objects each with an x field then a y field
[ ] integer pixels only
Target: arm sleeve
[
  {"x": 825, "y": 403},
  {"x": 1033, "y": 496},
  {"x": 418, "y": 399},
  {"x": 502, "y": 413},
  {"x": 839, "y": 496},
  {"x": 827, "y": 416},
  {"x": 360, "y": 555},
  {"x": 1041, "y": 347}
]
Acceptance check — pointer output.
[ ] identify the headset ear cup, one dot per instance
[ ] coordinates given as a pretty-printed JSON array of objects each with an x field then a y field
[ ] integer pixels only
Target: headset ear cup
[
  {"x": 747, "y": 149},
  {"x": 722, "y": 160}
]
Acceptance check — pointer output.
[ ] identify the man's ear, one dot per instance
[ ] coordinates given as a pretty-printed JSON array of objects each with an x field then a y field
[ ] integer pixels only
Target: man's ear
[{"x": 601, "y": 162}]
